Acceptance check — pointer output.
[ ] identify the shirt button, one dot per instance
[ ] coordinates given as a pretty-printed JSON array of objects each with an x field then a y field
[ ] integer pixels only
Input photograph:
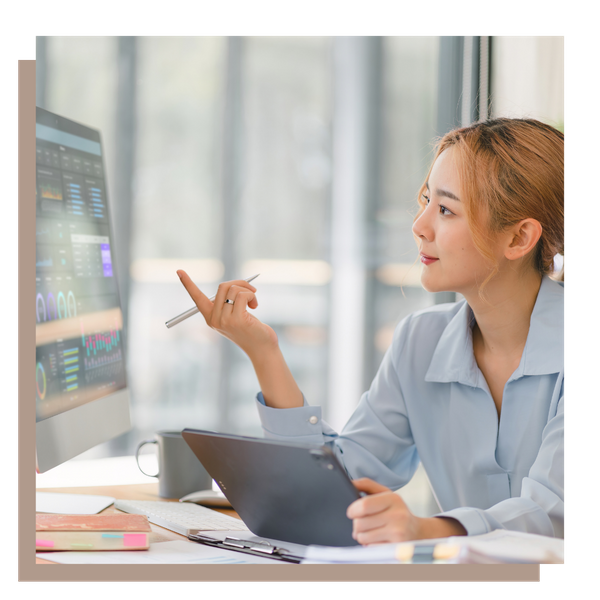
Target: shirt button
[{"x": 313, "y": 420}]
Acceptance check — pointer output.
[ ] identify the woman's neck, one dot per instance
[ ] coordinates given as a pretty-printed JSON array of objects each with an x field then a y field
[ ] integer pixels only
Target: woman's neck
[{"x": 503, "y": 315}]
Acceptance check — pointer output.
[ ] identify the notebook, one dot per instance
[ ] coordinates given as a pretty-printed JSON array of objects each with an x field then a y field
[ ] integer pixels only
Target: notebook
[{"x": 283, "y": 491}]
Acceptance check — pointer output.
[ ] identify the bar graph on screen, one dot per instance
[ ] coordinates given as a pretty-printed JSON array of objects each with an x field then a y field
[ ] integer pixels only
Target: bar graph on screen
[{"x": 102, "y": 354}]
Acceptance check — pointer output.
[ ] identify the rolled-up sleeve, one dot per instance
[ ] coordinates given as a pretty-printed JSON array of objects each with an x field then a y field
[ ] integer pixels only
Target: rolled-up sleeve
[{"x": 302, "y": 425}]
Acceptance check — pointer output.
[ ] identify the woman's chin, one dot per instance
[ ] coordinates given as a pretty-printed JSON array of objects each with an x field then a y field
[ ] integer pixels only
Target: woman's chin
[{"x": 429, "y": 284}]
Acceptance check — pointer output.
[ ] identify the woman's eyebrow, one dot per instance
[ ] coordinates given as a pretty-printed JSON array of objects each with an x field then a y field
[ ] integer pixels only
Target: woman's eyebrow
[{"x": 440, "y": 192}]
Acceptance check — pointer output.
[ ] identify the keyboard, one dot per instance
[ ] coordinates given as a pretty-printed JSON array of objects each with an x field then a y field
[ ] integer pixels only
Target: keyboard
[{"x": 181, "y": 517}]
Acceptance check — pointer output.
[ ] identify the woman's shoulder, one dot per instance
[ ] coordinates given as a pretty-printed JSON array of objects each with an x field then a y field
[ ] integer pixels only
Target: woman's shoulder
[
  {"x": 438, "y": 314},
  {"x": 423, "y": 328}
]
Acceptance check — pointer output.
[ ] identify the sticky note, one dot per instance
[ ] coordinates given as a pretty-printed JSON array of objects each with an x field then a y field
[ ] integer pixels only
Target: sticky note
[
  {"x": 134, "y": 539},
  {"x": 44, "y": 543},
  {"x": 112, "y": 535}
]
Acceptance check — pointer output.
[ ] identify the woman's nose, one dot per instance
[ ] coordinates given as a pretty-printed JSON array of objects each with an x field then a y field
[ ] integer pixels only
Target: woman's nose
[{"x": 421, "y": 227}]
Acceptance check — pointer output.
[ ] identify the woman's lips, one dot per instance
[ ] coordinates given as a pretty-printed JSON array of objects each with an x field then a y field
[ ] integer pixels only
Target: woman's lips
[{"x": 427, "y": 260}]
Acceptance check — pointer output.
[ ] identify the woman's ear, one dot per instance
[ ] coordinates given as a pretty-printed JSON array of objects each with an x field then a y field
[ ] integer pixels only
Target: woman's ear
[{"x": 523, "y": 238}]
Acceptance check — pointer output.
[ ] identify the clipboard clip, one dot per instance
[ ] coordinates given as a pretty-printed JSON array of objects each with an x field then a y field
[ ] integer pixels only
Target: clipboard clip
[{"x": 256, "y": 547}]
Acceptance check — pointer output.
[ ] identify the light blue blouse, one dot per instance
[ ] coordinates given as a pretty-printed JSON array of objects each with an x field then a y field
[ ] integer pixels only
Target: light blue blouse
[{"x": 429, "y": 402}]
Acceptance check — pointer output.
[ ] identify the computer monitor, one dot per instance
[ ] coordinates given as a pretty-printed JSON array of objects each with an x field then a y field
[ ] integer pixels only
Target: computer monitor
[{"x": 82, "y": 397}]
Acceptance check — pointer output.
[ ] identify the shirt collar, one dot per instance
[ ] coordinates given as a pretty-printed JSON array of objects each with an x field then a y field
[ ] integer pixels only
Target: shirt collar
[{"x": 453, "y": 358}]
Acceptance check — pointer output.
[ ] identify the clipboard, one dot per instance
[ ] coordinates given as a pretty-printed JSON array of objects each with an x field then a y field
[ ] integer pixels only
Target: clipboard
[
  {"x": 260, "y": 548},
  {"x": 284, "y": 492}
]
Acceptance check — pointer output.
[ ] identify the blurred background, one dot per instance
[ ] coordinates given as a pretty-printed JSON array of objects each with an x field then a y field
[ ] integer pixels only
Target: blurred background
[{"x": 298, "y": 158}]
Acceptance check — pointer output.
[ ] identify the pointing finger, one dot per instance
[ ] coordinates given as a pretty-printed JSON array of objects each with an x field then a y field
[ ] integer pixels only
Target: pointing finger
[{"x": 204, "y": 305}]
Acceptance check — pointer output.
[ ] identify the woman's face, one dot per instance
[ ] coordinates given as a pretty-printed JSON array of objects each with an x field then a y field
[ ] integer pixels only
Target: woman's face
[{"x": 451, "y": 260}]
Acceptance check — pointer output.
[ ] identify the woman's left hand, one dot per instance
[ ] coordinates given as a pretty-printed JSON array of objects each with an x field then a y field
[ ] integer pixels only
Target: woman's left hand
[{"x": 383, "y": 517}]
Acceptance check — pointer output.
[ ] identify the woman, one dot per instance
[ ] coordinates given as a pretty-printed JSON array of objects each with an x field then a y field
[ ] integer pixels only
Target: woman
[{"x": 473, "y": 389}]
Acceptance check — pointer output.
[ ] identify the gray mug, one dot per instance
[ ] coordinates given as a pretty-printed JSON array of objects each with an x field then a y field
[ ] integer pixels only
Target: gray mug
[{"x": 179, "y": 470}]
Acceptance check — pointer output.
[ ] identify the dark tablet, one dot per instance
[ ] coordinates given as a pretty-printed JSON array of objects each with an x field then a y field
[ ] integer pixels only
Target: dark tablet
[{"x": 281, "y": 491}]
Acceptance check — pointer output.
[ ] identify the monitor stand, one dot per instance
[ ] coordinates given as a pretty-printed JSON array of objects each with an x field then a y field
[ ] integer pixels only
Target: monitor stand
[{"x": 71, "y": 504}]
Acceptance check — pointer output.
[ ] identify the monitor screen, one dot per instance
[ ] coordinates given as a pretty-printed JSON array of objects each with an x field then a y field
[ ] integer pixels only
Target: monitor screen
[{"x": 79, "y": 325}]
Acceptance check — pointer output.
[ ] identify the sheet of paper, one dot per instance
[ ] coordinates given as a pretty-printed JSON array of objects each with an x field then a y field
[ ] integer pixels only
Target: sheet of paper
[
  {"x": 511, "y": 547},
  {"x": 382, "y": 553},
  {"x": 176, "y": 552}
]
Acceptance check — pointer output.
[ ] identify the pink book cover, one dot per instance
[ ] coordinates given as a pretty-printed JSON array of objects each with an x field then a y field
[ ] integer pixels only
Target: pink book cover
[{"x": 114, "y": 522}]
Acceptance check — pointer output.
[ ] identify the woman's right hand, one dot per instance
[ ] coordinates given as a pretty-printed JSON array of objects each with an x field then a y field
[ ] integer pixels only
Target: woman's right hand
[
  {"x": 256, "y": 339},
  {"x": 233, "y": 320}
]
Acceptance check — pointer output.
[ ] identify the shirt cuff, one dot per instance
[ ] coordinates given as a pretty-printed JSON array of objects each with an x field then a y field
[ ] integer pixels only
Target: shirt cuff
[
  {"x": 302, "y": 424},
  {"x": 472, "y": 519}
]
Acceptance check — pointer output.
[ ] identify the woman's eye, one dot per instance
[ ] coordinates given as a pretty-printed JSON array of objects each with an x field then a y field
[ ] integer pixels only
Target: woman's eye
[{"x": 443, "y": 210}]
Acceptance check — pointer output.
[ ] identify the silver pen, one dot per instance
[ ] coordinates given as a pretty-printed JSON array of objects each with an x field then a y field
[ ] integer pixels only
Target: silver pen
[{"x": 189, "y": 313}]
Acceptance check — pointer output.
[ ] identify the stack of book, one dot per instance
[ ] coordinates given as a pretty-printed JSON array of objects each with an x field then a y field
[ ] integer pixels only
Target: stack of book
[{"x": 91, "y": 532}]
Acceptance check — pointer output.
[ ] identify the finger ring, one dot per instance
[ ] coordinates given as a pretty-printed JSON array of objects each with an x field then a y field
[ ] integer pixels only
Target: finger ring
[{"x": 228, "y": 301}]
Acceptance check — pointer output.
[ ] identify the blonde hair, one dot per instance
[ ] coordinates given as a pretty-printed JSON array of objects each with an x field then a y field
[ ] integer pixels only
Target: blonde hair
[{"x": 510, "y": 170}]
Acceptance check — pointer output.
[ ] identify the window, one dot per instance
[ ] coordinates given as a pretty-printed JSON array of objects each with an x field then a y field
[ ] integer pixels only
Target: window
[{"x": 528, "y": 78}]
